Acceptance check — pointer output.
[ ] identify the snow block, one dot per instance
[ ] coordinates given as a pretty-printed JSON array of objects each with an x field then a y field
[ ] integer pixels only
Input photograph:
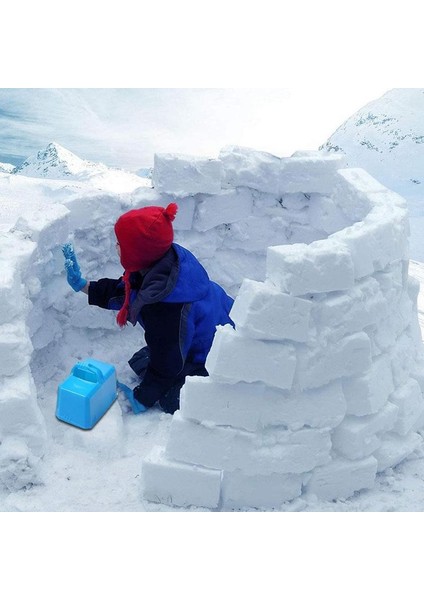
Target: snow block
[
  {"x": 374, "y": 242},
  {"x": 145, "y": 196},
  {"x": 392, "y": 279},
  {"x": 310, "y": 173},
  {"x": 246, "y": 167},
  {"x": 358, "y": 437},
  {"x": 275, "y": 451},
  {"x": 409, "y": 399},
  {"x": 395, "y": 448},
  {"x": 185, "y": 214},
  {"x": 229, "y": 268},
  {"x": 201, "y": 244},
  {"x": 326, "y": 215},
  {"x": 179, "y": 484},
  {"x": 260, "y": 311},
  {"x": 51, "y": 330},
  {"x": 296, "y": 233},
  {"x": 227, "y": 207},
  {"x": 368, "y": 393},
  {"x": 351, "y": 192},
  {"x": 296, "y": 203},
  {"x": 15, "y": 348},
  {"x": 347, "y": 312},
  {"x": 182, "y": 175},
  {"x": 88, "y": 208},
  {"x": 48, "y": 228},
  {"x": 255, "y": 234},
  {"x": 417, "y": 371},
  {"x": 263, "y": 492},
  {"x": 402, "y": 355},
  {"x": 320, "y": 365},
  {"x": 396, "y": 337},
  {"x": 232, "y": 358},
  {"x": 323, "y": 266},
  {"x": 252, "y": 406},
  {"x": 10, "y": 291},
  {"x": 87, "y": 317},
  {"x": 20, "y": 415},
  {"x": 340, "y": 479}
]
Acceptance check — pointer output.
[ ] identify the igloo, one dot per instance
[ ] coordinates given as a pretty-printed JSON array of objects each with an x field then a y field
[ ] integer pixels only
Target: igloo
[{"x": 317, "y": 389}]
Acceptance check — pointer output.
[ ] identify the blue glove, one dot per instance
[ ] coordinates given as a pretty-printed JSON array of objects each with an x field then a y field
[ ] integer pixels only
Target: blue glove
[
  {"x": 73, "y": 271},
  {"x": 136, "y": 406}
]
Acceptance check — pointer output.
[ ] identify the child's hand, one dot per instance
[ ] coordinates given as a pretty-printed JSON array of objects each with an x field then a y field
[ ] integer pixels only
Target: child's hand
[{"x": 73, "y": 271}]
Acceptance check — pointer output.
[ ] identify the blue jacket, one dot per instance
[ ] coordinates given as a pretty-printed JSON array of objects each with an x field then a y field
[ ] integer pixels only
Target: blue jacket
[{"x": 179, "y": 308}]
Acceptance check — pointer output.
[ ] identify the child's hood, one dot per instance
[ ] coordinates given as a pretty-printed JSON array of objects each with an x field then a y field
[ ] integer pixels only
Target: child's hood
[
  {"x": 192, "y": 282},
  {"x": 177, "y": 277}
]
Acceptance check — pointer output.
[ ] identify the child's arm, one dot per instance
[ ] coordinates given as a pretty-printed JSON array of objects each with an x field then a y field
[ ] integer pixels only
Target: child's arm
[
  {"x": 106, "y": 293},
  {"x": 73, "y": 271}
]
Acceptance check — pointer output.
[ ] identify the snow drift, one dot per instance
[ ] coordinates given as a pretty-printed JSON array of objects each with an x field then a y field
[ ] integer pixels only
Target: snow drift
[{"x": 317, "y": 389}]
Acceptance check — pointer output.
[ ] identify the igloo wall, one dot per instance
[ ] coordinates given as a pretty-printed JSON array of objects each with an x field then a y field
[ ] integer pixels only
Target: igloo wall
[
  {"x": 319, "y": 387},
  {"x": 316, "y": 390}
]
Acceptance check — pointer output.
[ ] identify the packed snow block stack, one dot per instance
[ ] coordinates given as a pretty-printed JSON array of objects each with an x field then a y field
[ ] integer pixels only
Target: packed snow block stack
[
  {"x": 179, "y": 174},
  {"x": 320, "y": 385},
  {"x": 22, "y": 427},
  {"x": 91, "y": 230},
  {"x": 43, "y": 274},
  {"x": 310, "y": 173},
  {"x": 244, "y": 167}
]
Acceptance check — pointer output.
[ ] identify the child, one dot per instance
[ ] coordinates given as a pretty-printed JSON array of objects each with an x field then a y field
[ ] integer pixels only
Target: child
[{"x": 167, "y": 291}]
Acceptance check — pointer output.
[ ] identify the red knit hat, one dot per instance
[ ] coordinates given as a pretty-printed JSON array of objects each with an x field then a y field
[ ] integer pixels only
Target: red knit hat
[{"x": 144, "y": 236}]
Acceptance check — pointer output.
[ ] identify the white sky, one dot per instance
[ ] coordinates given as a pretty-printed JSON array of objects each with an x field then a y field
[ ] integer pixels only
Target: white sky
[{"x": 125, "y": 127}]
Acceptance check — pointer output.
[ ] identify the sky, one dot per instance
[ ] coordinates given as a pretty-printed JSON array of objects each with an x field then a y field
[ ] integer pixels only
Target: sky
[{"x": 125, "y": 127}]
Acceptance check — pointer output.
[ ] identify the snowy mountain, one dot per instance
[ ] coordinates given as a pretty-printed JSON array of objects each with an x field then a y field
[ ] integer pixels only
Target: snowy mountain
[
  {"x": 55, "y": 162},
  {"x": 386, "y": 137},
  {"x": 6, "y": 167}
]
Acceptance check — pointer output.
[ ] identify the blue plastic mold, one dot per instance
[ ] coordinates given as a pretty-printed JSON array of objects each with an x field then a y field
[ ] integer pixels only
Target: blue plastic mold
[{"x": 85, "y": 396}]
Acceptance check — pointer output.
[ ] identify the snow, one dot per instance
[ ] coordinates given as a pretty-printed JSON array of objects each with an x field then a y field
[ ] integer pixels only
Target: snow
[
  {"x": 300, "y": 269},
  {"x": 244, "y": 167},
  {"x": 231, "y": 359},
  {"x": 6, "y": 167},
  {"x": 291, "y": 418},
  {"x": 182, "y": 175},
  {"x": 386, "y": 138},
  {"x": 56, "y": 162}
]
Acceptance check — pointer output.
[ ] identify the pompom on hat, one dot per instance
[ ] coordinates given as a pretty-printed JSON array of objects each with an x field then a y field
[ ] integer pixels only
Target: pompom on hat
[{"x": 144, "y": 236}]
